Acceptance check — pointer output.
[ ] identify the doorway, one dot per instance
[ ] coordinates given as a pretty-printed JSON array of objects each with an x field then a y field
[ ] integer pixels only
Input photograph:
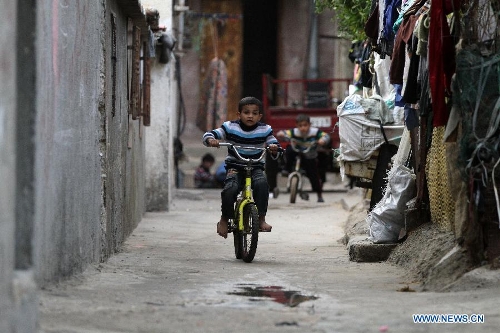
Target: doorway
[{"x": 260, "y": 27}]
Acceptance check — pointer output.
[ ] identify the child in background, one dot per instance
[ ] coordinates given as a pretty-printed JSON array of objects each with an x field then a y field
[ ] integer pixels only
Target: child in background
[
  {"x": 305, "y": 135},
  {"x": 247, "y": 131},
  {"x": 202, "y": 176}
]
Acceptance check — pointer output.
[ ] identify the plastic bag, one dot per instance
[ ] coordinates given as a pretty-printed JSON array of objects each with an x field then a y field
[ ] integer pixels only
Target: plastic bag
[{"x": 386, "y": 219}]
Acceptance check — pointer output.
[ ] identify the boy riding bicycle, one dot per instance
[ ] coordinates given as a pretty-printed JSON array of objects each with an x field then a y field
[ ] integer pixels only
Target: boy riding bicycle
[
  {"x": 247, "y": 131},
  {"x": 305, "y": 135}
]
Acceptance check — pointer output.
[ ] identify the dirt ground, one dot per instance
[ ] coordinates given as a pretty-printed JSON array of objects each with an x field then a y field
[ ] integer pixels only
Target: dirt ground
[
  {"x": 175, "y": 274},
  {"x": 422, "y": 256}
]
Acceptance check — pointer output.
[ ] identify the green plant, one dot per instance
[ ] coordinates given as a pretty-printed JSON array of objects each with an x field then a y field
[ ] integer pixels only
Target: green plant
[{"x": 351, "y": 15}]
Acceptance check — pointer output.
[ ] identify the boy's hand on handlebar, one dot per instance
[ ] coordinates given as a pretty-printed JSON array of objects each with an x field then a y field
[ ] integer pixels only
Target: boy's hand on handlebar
[
  {"x": 213, "y": 143},
  {"x": 273, "y": 148},
  {"x": 321, "y": 142}
]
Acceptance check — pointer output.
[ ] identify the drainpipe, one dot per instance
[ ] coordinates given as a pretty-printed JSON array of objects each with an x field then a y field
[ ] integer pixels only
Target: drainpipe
[
  {"x": 182, "y": 8},
  {"x": 312, "y": 70}
]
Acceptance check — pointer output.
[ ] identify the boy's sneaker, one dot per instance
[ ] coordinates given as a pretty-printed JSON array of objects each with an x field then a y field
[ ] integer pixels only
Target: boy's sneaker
[{"x": 321, "y": 199}]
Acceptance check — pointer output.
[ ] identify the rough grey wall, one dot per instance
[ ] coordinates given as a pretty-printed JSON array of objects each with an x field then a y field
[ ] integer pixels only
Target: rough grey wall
[
  {"x": 159, "y": 150},
  {"x": 72, "y": 173},
  {"x": 160, "y": 179},
  {"x": 7, "y": 159},
  {"x": 120, "y": 144},
  {"x": 68, "y": 177},
  {"x": 89, "y": 163}
]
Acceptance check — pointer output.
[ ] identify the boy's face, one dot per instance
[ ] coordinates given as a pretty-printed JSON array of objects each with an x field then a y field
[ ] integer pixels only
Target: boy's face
[
  {"x": 303, "y": 126},
  {"x": 250, "y": 114},
  {"x": 207, "y": 164}
]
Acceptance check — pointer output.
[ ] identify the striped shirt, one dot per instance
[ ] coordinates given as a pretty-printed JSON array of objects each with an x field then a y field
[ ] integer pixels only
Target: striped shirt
[
  {"x": 304, "y": 141},
  {"x": 235, "y": 132}
]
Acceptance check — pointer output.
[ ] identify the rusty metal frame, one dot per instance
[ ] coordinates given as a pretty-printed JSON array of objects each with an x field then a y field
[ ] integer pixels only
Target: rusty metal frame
[
  {"x": 134, "y": 101},
  {"x": 146, "y": 87}
]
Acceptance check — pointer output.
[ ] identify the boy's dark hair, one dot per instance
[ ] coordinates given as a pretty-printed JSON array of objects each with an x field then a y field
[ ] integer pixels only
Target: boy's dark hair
[
  {"x": 302, "y": 117},
  {"x": 250, "y": 100},
  {"x": 208, "y": 158}
]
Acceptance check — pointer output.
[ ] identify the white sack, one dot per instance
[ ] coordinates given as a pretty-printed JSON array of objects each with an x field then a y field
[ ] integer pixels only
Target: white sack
[{"x": 387, "y": 218}]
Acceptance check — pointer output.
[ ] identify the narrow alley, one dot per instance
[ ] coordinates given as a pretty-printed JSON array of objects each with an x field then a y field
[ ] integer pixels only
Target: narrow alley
[{"x": 175, "y": 274}]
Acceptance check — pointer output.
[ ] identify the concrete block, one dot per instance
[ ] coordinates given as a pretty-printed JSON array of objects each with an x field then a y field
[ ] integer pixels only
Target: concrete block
[{"x": 361, "y": 249}]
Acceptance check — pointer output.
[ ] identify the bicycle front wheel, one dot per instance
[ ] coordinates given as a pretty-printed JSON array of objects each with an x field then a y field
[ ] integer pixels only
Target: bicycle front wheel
[
  {"x": 238, "y": 243},
  {"x": 250, "y": 234}
]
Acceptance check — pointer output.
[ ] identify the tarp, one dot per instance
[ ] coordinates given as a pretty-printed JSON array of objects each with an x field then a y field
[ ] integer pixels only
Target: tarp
[{"x": 359, "y": 130}]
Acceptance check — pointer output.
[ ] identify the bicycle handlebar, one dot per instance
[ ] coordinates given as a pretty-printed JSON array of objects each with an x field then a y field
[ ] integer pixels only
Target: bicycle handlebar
[
  {"x": 233, "y": 147},
  {"x": 293, "y": 144}
]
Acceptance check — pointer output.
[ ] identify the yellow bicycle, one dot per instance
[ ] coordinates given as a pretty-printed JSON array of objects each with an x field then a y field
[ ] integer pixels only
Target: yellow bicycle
[{"x": 245, "y": 224}]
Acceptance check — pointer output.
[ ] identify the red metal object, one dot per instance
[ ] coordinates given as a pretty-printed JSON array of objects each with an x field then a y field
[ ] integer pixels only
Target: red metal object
[{"x": 284, "y": 99}]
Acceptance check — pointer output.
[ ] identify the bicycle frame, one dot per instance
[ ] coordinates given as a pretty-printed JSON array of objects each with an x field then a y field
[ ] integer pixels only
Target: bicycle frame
[
  {"x": 246, "y": 194},
  {"x": 297, "y": 171},
  {"x": 246, "y": 197}
]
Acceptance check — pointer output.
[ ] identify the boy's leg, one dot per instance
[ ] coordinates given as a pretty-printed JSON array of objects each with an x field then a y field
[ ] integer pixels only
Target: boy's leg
[
  {"x": 311, "y": 169},
  {"x": 322, "y": 165},
  {"x": 290, "y": 155},
  {"x": 260, "y": 190},
  {"x": 271, "y": 172},
  {"x": 228, "y": 197}
]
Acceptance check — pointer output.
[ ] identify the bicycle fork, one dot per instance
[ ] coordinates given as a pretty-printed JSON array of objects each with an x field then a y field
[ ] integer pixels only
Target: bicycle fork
[
  {"x": 245, "y": 199},
  {"x": 295, "y": 173}
]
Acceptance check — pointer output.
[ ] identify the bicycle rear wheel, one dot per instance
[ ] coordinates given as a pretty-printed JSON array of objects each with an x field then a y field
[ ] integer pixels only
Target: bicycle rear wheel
[
  {"x": 294, "y": 188},
  {"x": 250, "y": 234}
]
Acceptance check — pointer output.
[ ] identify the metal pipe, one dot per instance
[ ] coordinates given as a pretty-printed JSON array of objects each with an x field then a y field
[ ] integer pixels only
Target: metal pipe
[
  {"x": 181, "y": 8},
  {"x": 312, "y": 70}
]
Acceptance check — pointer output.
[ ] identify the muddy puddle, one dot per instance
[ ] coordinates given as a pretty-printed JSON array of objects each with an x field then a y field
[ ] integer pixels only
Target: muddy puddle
[{"x": 277, "y": 294}]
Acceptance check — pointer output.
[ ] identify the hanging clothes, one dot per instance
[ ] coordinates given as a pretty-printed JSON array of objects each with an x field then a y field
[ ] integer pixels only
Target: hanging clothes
[
  {"x": 403, "y": 37},
  {"x": 212, "y": 111},
  {"x": 441, "y": 58}
]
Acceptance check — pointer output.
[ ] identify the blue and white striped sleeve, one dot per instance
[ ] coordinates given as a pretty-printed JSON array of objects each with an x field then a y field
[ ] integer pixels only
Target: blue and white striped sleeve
[{"x": 218, "y": 133}]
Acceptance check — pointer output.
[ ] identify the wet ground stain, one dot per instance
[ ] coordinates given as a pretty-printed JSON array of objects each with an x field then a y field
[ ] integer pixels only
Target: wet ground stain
[{"x": 289, "y": 298}]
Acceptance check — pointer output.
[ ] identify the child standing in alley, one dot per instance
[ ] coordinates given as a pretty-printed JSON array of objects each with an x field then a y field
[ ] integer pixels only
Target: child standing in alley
[
  {"x": 246, "y": 131},
  {"x": 304, "y": 135}
]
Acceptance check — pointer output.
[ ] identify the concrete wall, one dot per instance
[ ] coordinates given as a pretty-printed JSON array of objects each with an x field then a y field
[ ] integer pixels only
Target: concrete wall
[
  {"x": 160, "y": 136},
  {"x": 7, "y": 159},
  {"x": 333, "y": 61},
  {"x": 68, "y": 164},
  {"x": 89, "y": 178},
  {"x": 71, "y": 155}
]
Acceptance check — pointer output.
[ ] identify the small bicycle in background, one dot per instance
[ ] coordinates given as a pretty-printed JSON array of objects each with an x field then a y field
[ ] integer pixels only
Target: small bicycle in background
[
  {"x": 296, "y": 177},
  {"x": 245, "y": 224}
]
